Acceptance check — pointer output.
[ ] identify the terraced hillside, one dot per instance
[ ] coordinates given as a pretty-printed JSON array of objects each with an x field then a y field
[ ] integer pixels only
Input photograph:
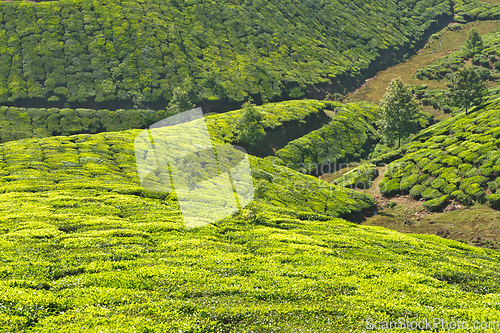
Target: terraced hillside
[
  {"x": 85, "y": 249},
  {"x": 486, "y": 61},
  {"x": 117, "y": 54},
  {"x": 457, "y": 159},
  {"x": 21, "y": 123}
]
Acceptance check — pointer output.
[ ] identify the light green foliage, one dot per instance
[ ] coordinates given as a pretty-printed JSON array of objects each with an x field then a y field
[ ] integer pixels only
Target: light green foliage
[
  {"x": 80, "y": 51},
  {"x": 85, "y": 249},
  {"x": 467, "y": 89},
  {"x": 360, "y": 177},
  {"x": 399, "y": 116},
  {"x": 249, "y": 128},
  {"x": 459, "y": 157}
]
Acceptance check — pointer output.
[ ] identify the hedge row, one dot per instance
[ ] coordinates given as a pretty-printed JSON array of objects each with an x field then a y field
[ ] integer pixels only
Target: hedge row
[
  {"x": 20, "y": 123},
  {"x": 78, "y": 51},
  {"x": 347, "y": 137},
  {"x": 458, "y": 159},
  {"x": 471, "y": 10}
]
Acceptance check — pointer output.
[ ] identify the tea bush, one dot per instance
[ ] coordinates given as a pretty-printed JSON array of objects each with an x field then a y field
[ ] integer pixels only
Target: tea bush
[{"x": 20, "y": 123}]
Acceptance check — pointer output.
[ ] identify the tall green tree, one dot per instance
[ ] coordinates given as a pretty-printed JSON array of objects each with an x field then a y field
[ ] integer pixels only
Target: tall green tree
[
  {"x": 180, "y": 101},
  {"x": 467, "y": 89},
  {"x": 249, "y": 128},
  {"x": 474, "y": 43},
  {"x": 400, "y": 113}
]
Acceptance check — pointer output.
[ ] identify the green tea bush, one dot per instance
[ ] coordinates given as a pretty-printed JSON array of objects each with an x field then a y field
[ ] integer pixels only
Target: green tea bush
[
  {"x": 435, "y": 204},
  {"x": 84, "y": 253},
  {"x": 417, "y": 190},
  {"x": 360, "y": 177},
  {"x": 450, "y": 63},
  {"x": 494, "y": 200}
]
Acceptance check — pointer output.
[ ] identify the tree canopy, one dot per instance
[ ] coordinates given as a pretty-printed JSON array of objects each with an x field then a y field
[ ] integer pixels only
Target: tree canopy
[
  {"x": 249, "y": 128},
  {"x": 400, "y": 113},
  {"x": 467, "y": 89},
  {"x": 474, "y": 43}
]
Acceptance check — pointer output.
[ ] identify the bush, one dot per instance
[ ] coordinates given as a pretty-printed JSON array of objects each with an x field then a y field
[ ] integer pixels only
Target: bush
[
  {"x": 431, "y": 193},
  {"x": 435, "y": 204},
  {"x": 494, "y": 200},
  {"x": 462, "y": 198},
  {"x": 389, "y": 186},
  {"x": 417, "y": 190},
  {"x": 408, "y": 182}
]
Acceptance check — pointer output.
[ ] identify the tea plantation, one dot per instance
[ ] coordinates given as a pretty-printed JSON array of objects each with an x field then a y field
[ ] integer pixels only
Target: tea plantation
[
  {"x": 486, "y": 62},
  {"x": 21, "y": 123},
  {"x": 457, "y": 159},
  {"x": 85, "y": 249},
  {"x": 132, "y": 52}
]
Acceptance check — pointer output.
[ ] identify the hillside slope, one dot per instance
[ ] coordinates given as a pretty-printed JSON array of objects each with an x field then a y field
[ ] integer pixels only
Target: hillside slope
[
  {"x": 85, "y": 249},
  {"x": 455, "y": 159},
  {"x": 22, "y": 123},
  {"x": 117, "y": 54}
]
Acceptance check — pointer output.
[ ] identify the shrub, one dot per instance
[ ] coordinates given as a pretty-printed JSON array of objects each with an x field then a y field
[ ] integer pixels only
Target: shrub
[
  {"x": 494, "y": 200},
  {"x": 431, "y": 193},
  {"x": 435, "y": 204},
  {"x": 439, "y": 184},
  {"x": 462, "y": 198},
  {"x": 389, "y": 186},
  {"x": 408, "y": 182},
  {"x": 417, "y": 190}
]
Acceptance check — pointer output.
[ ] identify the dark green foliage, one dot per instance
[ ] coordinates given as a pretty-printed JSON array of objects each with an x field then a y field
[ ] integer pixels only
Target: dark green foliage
[
  {"x": 250, "y": 128},
  {"x": 467, "y": 88},
  {"x": 20, "y": 123},
  {"x": 140, "y": 52},
  {"x": 474, "y": 43},
  {"x": 399, "y": 116},
  {"x": 180, "y": 101},
  {"x": 471, "y": 10}
]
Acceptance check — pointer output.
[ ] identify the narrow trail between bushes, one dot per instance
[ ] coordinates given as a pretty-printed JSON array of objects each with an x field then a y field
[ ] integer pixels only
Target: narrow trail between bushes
[{"x": 477, "y": 225}]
